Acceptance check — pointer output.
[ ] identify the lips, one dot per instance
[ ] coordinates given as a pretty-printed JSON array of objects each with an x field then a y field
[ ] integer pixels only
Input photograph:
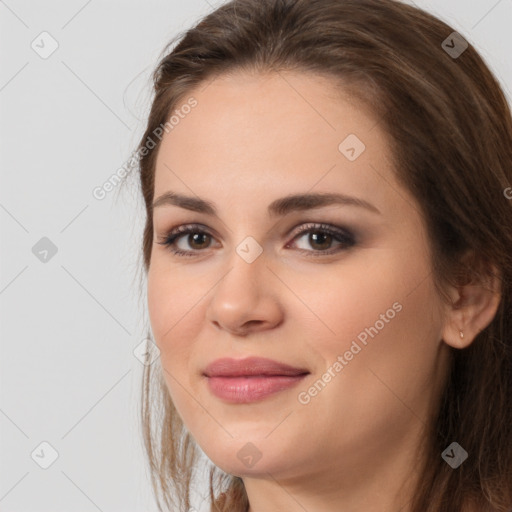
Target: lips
[
  {"x": 250, "y": 379},
  {"x": 249, "y": 367}
]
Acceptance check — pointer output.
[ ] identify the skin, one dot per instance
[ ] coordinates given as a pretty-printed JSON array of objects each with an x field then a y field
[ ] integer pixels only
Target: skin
[{"x": 357, "y": 444}]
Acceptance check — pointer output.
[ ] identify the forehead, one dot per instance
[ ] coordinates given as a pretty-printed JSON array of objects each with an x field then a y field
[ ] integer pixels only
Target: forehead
[{"x": 253, "y": 134}]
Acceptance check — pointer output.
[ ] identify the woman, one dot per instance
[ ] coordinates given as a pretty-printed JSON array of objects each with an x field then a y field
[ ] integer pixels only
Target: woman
[{"x": 328, "y": 250}]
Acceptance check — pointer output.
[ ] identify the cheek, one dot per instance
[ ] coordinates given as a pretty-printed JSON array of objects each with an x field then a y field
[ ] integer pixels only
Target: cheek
[
  {"x": 161, "y": 306},
  {"x": 342, "y": 301},
  {"x": 172, "y": 306},
  {"x": 382, "y": 308},
  {"x": 387, "y": 331},
  {"x": 175, "y": 322},
  {"x": 167, "y": 308},
  {"x": 384, "y": 383},
  {"x": 172, "y": 299}
]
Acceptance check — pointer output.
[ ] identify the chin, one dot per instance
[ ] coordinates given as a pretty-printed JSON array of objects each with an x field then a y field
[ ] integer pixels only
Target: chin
[{"x": 245, "y": 457}]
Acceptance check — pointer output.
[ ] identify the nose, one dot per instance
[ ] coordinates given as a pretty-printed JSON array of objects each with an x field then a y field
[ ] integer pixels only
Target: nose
[{"x": 246, "y": 299}]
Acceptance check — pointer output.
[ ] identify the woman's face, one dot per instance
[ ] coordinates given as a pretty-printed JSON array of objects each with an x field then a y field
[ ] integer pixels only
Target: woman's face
[{"x": 350, "y": 305}]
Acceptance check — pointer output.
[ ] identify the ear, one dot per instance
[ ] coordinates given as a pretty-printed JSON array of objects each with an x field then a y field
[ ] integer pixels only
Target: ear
[{"x": 474, "y": 304}]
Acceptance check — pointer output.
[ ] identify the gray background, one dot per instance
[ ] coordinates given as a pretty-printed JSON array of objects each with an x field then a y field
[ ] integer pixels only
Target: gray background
[{"x": 69, "y": 325}]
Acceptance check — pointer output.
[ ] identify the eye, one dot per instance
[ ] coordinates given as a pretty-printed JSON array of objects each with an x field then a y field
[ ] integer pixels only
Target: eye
[
  {"x": 320, "y": 237},
  {"x": 196, "y": 236}
]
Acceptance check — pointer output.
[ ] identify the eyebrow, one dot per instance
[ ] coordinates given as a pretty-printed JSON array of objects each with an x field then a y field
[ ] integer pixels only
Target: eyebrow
[{"x": 279, "y": 207}]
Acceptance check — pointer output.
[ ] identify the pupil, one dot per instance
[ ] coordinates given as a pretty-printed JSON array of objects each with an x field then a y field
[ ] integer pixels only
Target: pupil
[
  {"x": 315, "y": 237},
  {"x": 195, "y": 237}
]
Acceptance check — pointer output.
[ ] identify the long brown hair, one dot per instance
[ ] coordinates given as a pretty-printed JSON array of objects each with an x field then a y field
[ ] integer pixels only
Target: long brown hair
[{"x": 450, "y": 128}]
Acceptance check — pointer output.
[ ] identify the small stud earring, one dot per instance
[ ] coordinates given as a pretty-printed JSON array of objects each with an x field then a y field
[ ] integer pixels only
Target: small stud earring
[{"x": 461, "y": 334}]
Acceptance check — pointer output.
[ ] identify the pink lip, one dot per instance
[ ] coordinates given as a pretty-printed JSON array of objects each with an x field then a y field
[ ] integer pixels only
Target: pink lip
[{"x": 250, "y": 379}]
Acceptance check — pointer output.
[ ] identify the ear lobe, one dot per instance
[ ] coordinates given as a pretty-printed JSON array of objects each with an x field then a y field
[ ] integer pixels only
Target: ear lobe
[{"x": 473, "y": 310}]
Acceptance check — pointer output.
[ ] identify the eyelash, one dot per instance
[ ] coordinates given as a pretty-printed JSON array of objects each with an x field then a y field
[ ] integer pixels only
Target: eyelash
[{"x": 343, "y": 236}]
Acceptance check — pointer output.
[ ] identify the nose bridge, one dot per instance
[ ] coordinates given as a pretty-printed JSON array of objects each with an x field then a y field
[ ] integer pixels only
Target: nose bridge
[
  {"x": 243, "y": 294},
  {"x": 247, "y": 269}
]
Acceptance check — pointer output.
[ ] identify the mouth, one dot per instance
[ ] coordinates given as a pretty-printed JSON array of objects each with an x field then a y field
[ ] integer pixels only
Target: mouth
[{"x": 251, "y": 379}]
